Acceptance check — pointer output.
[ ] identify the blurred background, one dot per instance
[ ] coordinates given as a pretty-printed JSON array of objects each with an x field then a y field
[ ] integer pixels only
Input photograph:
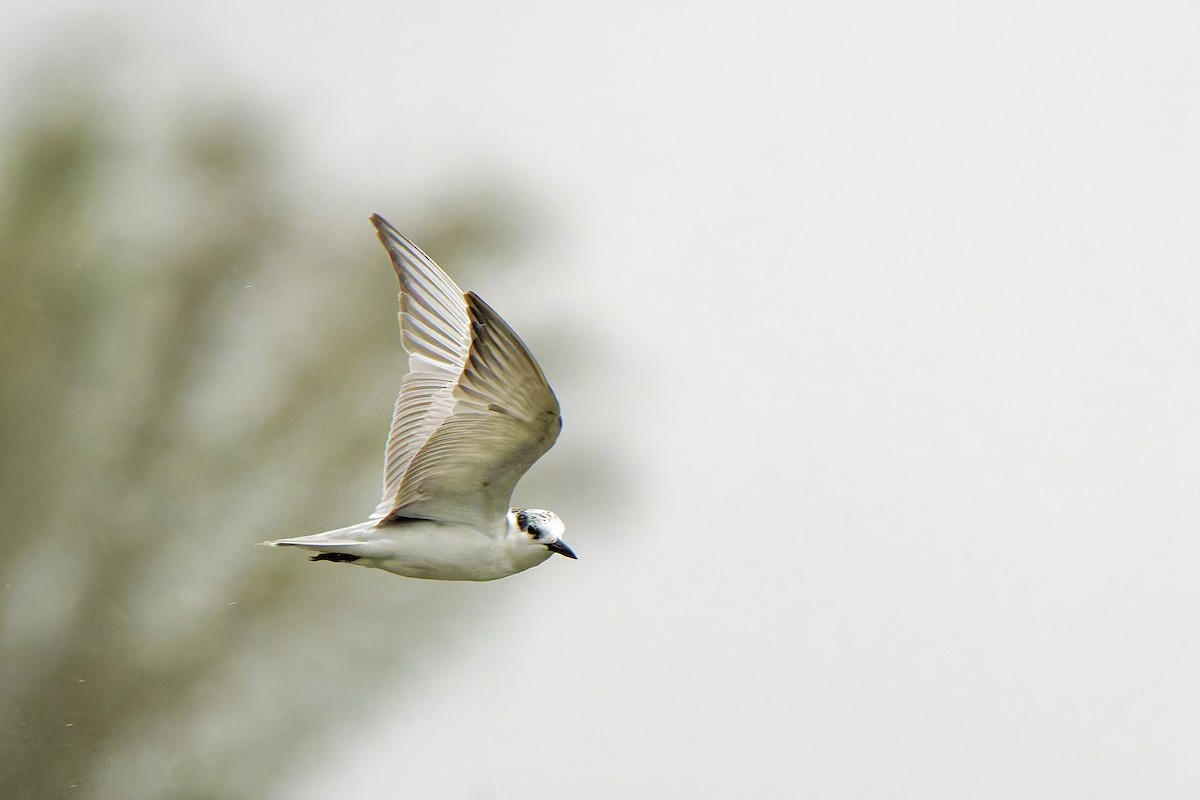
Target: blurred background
[{"x": 875, "y": 332}]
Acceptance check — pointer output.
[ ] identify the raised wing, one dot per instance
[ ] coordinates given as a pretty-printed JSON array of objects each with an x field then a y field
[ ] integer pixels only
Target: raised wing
[
  {"x": 436, "y": 335},
  {"x": 461, "y": 441}
]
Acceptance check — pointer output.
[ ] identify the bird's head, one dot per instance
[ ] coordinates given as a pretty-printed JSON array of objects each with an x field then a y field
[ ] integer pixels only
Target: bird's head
[{"x": 544, "y": 528}]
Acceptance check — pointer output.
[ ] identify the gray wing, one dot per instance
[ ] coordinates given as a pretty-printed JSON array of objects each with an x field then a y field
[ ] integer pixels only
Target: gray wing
[
  {"x": 436, "y": 334},
  {"x": 474, "y": 411}
]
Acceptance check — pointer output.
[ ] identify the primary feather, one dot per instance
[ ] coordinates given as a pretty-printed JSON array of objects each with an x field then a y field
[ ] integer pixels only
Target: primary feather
[{"x": 474, "y": 411}]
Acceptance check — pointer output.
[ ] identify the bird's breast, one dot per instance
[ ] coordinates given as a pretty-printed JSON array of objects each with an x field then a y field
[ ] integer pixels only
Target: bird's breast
[{"x": 449, "y": 552}]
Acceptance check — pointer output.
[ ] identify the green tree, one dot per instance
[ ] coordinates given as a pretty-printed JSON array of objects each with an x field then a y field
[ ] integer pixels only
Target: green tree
[{"x": 178, "y": 351}]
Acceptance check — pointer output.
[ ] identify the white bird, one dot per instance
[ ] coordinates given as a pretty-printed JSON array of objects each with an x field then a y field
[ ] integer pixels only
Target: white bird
[{"x": 474, "y": 413}]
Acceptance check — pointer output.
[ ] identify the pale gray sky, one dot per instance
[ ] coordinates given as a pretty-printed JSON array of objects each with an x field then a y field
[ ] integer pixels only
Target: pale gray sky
[{"x": 893, "y": 314}]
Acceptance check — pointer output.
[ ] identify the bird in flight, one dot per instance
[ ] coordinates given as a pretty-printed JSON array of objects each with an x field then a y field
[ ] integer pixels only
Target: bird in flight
[{"x": 474, "y": 413}]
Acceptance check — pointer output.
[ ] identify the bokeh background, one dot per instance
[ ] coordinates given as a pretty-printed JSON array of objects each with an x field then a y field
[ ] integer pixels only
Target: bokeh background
[{"x": 875, "y": 331}]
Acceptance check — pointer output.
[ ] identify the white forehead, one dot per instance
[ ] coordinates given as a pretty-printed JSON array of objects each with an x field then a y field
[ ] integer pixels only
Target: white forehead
[{"x": 546, "y": 521}]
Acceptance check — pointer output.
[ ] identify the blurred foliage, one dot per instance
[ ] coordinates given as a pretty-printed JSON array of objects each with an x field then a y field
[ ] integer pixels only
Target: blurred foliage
[{"x": 179, "y": 350}]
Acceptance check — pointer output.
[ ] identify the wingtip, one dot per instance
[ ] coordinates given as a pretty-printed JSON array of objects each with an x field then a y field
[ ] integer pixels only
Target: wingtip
[
  {"x": 393, "y": 242},
  {"x": 478, "y": 308},
  {"x": 382, "y": 226}
]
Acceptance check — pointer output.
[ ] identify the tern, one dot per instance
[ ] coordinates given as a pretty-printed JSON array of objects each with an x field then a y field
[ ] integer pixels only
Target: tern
[{"x": 474, "y": 413}]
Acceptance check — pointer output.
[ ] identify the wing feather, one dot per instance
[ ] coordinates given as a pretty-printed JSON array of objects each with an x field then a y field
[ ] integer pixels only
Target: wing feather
[
  {"x": 505, "y": 417},
  {"x": 474, "y": 411},
  {"x": 436, "y": 334}
]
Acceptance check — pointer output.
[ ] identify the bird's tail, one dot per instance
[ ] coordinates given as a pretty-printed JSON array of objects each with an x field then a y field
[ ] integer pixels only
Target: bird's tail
[{"x": 351, "y": 541}]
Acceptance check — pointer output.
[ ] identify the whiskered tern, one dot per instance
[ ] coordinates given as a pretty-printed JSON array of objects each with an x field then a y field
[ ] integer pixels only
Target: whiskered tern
[{"x": 474, "y": 413}]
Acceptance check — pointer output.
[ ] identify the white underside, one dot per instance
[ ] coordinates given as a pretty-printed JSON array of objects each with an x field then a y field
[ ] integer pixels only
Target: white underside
[{"x": 431, "y": 550}]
